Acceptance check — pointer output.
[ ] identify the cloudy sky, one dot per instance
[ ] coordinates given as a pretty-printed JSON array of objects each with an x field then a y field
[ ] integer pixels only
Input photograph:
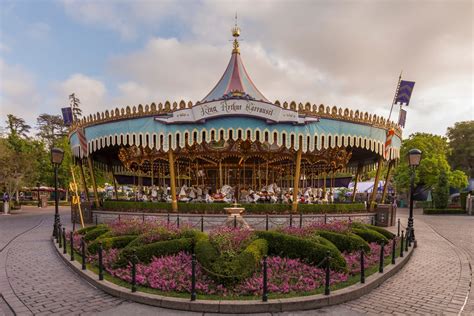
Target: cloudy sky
[{"x": 344, "y": 53}]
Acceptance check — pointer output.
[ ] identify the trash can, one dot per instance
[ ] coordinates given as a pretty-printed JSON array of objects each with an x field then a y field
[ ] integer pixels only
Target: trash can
[
  {"x": 384, "y": 213},
  {"x": 44, "y": 201},
  {"x": 6, "y": 208}
]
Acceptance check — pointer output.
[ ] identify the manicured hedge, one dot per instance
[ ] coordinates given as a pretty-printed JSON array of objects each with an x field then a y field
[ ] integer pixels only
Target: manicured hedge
[
  {"x": 380, "y": 230},
  {"x": 435, "y": 211},
  {"x": 218, "y": 208},
  {"x": 230, "y": 270},
  {"x": 283, "y": 245},
  {"x": 345, "y": 242},
  {"x": 93, "y": 234},
  {"x": 370, "y": 235},
  {"x": 161, "y": 248},
  {"x": 84, "y": 230},
  {"x": 111, "y": 242}
]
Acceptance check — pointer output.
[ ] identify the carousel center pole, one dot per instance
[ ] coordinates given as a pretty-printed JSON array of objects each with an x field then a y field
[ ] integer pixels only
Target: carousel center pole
[
  {"x": 294, "y": 207},
  {"x": 376, "y": 184},
  {"x": 174, "y": 202}
]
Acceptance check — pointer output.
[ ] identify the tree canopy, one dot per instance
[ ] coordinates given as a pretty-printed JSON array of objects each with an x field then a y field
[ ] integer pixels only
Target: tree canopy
[{"x": 461, "y": 142}]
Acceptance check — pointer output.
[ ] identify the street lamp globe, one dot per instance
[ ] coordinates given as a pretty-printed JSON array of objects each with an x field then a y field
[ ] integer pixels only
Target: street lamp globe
[
  {"x": 414, "y": 157},
  {"x": 57, "y": 155}
]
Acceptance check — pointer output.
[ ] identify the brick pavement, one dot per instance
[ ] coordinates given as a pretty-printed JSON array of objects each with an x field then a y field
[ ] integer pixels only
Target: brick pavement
[
  {"x": 435, "y": 281},
  {"x": 40, "y": 284}
]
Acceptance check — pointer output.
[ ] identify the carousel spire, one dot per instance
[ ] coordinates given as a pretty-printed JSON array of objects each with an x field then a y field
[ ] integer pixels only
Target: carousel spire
[
  {"x": 236, "y": 34},
  {"x": 235, "y": 82}
]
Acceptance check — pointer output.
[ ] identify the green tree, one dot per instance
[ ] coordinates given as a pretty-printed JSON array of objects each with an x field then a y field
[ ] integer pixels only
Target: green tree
[
  {"x": 461, "y": 142},
  {"x": 75, "y": 106},
  {"x": 434, "y": 161},
  {"x": 50, "y": 128},
  {"x": 17, "y": 126},
  {"x": 441, "y": 191},
  {"x": 458, "y": 179}
]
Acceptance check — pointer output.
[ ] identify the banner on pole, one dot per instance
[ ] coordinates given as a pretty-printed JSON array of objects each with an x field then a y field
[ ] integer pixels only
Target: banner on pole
[
  {"x": 67, "y": 116},
  {"x": 402, "y": 117},
  {"x": 404, "y": 92}
]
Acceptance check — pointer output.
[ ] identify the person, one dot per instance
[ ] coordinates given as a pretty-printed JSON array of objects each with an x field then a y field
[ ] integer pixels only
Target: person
[{"x": 6, "y": 204}]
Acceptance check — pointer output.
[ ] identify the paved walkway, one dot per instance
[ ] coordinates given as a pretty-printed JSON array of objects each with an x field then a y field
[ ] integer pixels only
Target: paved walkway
[{"x": 34, "y": 281}]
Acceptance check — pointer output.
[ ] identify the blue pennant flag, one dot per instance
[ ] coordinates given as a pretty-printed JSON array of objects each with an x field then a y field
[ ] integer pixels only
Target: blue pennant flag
[
  {"x": 67, "y": 116},
  {"x": 404, "y": 92}
]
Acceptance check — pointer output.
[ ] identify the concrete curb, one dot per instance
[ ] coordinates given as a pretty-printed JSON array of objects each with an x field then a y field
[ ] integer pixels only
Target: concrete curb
[{"x": 250, "y": 306}]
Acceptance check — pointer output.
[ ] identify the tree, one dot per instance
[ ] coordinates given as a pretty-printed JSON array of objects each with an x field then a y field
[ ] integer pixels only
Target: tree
[
  {"x": 17, "y": 126},
  {"x": 17, "y": 168},
  {"x": 51, "y": 128},
  {"x": 433, "y": 163},
  {"x": 441, "y": 191},
  {"x": 461, "y": 142},
  {"x": 75, "y": 105}
]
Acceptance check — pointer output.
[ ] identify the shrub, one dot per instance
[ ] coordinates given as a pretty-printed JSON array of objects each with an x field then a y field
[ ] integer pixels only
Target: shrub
[
  {"x": 441, "y": 191},
  {"x": 230, "y": 267},
  {"x": 370, "y": 235},
  {"x": 345, "y": 242},
  {"x": 161, "y": 248},
  {"x": 386, "y": 233},
  {"x": 94, "y": 233},
  {"x": 323, "y": 241},
  {"x": 111, "y": 242},
  {"x": 294, "y": 247},
  {"x": 84, "y": 230},
  {"x": 434, "y": 211}
]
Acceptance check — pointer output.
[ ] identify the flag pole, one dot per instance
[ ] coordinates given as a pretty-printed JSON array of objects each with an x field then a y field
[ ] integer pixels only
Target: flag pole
[{"x": 395, "y": 96}]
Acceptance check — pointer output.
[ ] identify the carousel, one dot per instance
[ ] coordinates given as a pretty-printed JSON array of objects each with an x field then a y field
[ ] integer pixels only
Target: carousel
[{"x": 234, "y": 146}]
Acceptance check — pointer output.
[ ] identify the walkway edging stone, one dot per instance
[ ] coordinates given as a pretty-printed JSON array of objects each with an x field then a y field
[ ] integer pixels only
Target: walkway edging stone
[{"x": 232, "y": 306}]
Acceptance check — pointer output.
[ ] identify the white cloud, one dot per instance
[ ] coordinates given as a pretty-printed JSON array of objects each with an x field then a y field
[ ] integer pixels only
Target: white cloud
[
  {"x": 92, "y": 93},
  {"x": 336, "y": 53},
  {"x": 125, "y": 17},
  {"x": 18, "y": 93}
]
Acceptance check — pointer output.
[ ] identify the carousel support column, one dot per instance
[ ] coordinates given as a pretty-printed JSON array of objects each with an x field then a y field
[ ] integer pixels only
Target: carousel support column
[
  {"x": 254, "y": 177},
  {"x": 174, "y": 202},
  {"x": 94, "y": 184},
  {"x": 384, "y": 193},
  {"x": 266, "y": 175},
  {"x": 221, "y": 184},
  {"x": 324, "y": 186},
  {"x": 294, "y": 207},
  {"x": 83, "y": 179},
  {"x": 376, "y": 184},
  {"x": 114, "y": 181},
  {"x": 354, "y": 192}
]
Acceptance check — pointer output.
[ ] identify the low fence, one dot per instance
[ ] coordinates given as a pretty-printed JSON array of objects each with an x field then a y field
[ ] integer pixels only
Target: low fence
[{"x": 211, "y": 221}]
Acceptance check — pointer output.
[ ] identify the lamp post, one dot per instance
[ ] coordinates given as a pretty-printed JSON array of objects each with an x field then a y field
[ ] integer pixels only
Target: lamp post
[
  {"x": 57, "y": 156},
  {"x": 38, "y": 187},
  {"x": 414, "y": 158}
]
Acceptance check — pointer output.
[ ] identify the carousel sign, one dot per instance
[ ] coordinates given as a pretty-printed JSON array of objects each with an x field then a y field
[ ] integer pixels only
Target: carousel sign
[{"x": 235, "y": 107}]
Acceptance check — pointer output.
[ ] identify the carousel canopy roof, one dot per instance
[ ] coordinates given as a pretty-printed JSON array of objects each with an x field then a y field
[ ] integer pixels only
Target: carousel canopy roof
[
  {"x": 235, "y": 82},
  {"x": 236, "y": 111}
]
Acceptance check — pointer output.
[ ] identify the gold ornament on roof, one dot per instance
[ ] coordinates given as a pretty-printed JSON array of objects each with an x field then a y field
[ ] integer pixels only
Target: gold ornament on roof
[{"x": 236, "y": 34}]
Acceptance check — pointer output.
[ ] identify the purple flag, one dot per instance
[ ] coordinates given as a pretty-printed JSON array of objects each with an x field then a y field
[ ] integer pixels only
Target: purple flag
[
  {"x": 67, "y": 116},
  {"x": 402, "y": 117},
  {"x": 404, "y": 92}
]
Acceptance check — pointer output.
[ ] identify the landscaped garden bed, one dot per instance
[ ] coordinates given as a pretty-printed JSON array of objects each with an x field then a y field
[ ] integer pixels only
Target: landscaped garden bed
[{"x": 229, "y": 260}]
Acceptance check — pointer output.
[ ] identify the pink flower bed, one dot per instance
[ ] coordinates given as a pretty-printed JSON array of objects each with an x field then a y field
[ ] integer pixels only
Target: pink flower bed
[
  {"x": 370, "y": 259},
  {"x": 173, "y": 273}
]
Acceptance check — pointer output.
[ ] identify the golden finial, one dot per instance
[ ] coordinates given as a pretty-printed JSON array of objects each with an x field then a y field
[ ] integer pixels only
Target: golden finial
[{"x": 236, "y": 34}]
